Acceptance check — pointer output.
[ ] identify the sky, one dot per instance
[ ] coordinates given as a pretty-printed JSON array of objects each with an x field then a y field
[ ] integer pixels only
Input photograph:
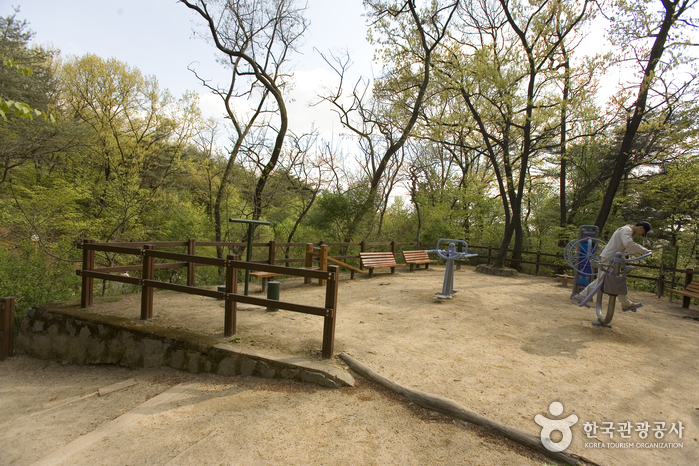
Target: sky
[{"x": 156, "y": 37}]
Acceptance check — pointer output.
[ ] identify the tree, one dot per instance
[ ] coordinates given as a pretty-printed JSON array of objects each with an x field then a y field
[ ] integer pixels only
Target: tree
[
  {"x": 384, "y": 121},
  {"x": 256, "y": 38},
  {"x": 507, "y": 86},
  {"x": 137, "y": 135},
  {"x": 636, "y": 24},
  {"x": 27, "y": 84}
]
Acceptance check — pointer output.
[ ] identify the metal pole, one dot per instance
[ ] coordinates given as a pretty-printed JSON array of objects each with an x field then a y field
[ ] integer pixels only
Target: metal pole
[{"x": 248, "y": 255}]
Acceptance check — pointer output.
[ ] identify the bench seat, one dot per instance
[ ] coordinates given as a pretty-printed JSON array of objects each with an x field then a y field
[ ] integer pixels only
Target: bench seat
[
  {"x": 564, "y": 278},
  {"x": 378, "y": 260},
  {"x": 691, "y": 291},
  {"x": 417, "y": 258},
  {"x": 264, "y": 276}
]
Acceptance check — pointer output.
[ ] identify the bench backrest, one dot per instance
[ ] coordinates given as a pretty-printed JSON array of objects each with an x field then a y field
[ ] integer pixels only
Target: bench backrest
[
  {"x": 415, "y": 256},
  {"x": 693, "y": 286},
  {"x": 377, "y": 259}
]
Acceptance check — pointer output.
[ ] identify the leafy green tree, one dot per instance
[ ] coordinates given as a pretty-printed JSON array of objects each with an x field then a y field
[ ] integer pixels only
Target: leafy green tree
[
  {"x": 509, "y": 96},
  {"x": 27, "y": 84},
  {"x": 671, "y": 201},
  {"x": 137, "y": 136}
]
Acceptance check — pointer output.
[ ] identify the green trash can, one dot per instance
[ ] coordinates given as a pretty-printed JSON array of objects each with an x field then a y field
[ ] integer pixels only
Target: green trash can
[{"x": 273, "y": 293}]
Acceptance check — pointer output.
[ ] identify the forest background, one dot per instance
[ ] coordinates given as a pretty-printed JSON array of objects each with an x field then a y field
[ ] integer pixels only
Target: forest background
[{"x": 489, "y": 120}]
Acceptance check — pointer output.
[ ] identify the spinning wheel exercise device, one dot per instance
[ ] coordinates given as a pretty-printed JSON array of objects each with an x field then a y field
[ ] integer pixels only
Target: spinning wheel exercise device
[{"x": 583, "y": 256}]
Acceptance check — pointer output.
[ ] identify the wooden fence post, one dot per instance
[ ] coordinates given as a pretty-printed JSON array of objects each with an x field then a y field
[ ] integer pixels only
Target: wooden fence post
[
  {"x": 272, "y": 257},
  {"x": 689, "y": 274},
  {"x": 323, "y": 262},
  {"x": 147, "y": 291},
  {"x": 362, "y": 248},
  {"x": 538, "y": 262},
  {"x": 191, "y": 250},
  {"x": 331, "y": 305},
  {"x": 231, "y": 306},
  {"x": 86, "y": 297},
  {"x": 490, "y": 254},
  {"x": 661, "y": 282},
  {"x": 393, "y": 247},
  {"x": 7, "y": 328},
  {"x": 309, "y": 260}
]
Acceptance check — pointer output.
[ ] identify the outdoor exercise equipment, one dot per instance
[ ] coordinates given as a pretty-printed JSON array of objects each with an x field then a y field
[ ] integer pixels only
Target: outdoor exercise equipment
[
  {"x": 249, "y": 249},
  {"x": 583, "y": 275},
  {"x": 583, "y": 255},
  {"x": 450, "y": 254}
]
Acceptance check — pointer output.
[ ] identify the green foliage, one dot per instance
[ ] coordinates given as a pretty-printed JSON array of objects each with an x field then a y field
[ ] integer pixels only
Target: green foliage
[
  {"x": 333, "y": 213},
  {"x": 33, "y": 277}
]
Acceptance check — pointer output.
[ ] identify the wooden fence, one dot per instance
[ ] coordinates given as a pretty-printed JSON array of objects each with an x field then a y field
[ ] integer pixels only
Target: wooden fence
[
  {"x": 536, "y": 259},
  {"x": 558, "y": 265},
  {"x": 231, "y": 264}
]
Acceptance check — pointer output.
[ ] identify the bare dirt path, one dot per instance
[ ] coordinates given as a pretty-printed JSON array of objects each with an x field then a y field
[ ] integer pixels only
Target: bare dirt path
[{"x": 504, "y": 347}]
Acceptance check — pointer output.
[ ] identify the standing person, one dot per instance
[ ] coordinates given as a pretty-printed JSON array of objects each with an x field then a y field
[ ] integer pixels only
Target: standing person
[{"x": 621, "y": 241}]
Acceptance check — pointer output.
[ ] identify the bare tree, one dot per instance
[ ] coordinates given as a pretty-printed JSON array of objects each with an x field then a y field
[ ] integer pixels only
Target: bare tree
[
  {"x": 505, "y": 84},
  {"x": 256, "y": 38},
  {"x": 412, "y": 35}
]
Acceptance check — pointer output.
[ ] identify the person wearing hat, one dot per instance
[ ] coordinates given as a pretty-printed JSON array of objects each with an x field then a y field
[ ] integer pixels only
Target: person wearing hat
[{"x": 621, "y": 241}]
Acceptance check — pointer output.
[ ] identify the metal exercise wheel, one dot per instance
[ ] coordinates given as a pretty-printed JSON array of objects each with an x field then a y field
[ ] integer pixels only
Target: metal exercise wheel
[
  {"x": 619, "y": 268},
  {"x": 581, "y": 253}
]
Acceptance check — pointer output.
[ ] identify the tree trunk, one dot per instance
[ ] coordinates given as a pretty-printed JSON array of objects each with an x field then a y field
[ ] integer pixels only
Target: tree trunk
[{"x": 634, "y": 122}]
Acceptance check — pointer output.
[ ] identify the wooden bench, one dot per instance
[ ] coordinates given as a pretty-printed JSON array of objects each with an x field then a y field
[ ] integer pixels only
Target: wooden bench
[
  {"x": 378, "y": 260},
  {"x": 690, "y": 291},
  {"x": 564, "y": 278},
  {"x": 264, "y": 276},
  {"x": 417, "y": 258}
]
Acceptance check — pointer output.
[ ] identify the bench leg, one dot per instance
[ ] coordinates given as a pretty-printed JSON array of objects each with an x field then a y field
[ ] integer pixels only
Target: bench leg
[
  {"x": 351, "y": 274},
  {"x": 371, "y": 272},
  {"x": 413, "y": 265},
  {"x": 427, "y": 266},
  {"x": 685, "y": 301},
  {"x": 264, "y": 284},
  {"x": 393, "y": 269}
]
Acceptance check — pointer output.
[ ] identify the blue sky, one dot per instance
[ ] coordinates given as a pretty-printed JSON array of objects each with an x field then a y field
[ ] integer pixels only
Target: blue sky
[{"x": 156, "y": 37}]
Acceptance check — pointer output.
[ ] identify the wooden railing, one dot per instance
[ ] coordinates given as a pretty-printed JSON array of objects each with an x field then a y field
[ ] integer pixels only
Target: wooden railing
[
  {"x": 231, "y": 264},
  {"x": 536, "y": 259}
]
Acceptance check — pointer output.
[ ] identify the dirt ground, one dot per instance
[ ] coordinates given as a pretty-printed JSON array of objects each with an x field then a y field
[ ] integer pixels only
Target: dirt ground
[{"x": 505, "y": 347}]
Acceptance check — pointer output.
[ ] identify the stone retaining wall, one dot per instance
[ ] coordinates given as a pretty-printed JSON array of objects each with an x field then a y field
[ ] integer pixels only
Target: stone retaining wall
[{"x": 75, "y": 337}]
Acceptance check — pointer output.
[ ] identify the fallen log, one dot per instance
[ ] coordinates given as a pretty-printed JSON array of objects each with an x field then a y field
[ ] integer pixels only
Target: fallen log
[{"x": 454, "y": 409}]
